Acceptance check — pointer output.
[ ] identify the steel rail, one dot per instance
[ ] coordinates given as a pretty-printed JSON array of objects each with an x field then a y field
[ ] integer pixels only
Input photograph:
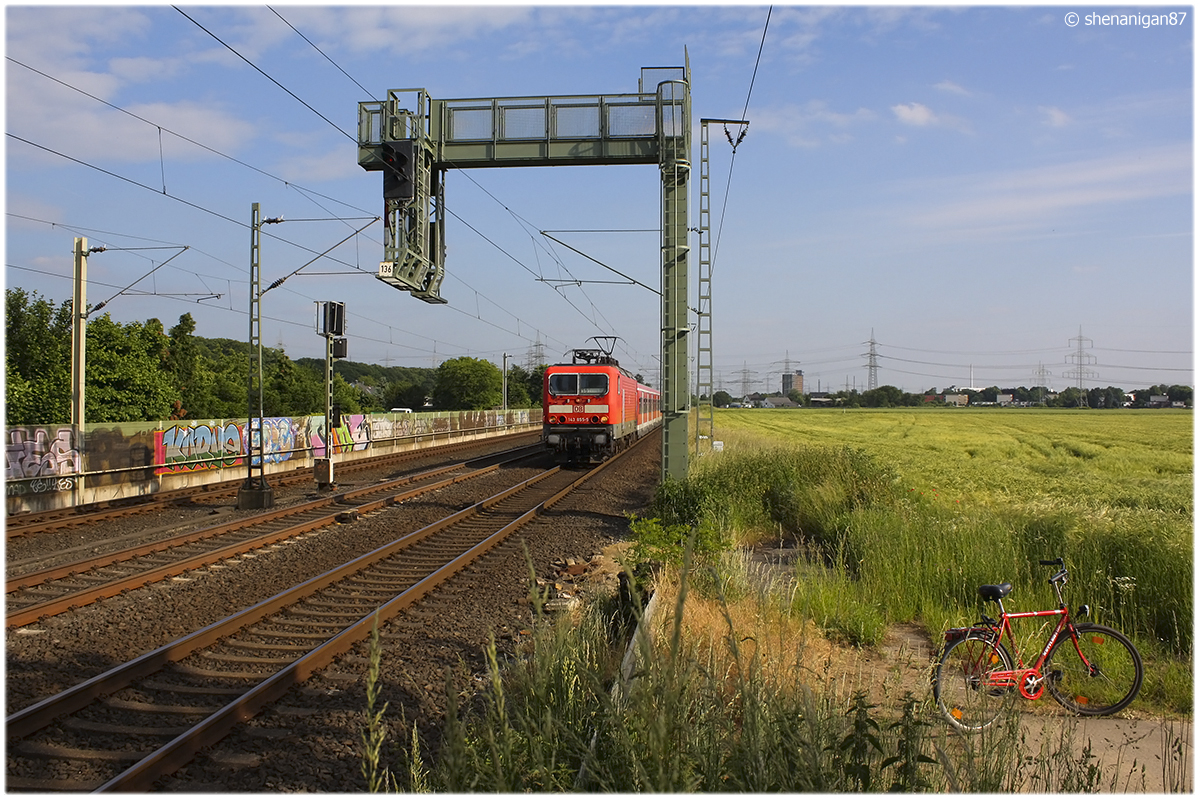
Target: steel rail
[
  {"x": 183, "y": 747},
  {"x": 91, "y": 594},
  {"x": 32, "y": 523},
  {"x": 30, "y": 579}
]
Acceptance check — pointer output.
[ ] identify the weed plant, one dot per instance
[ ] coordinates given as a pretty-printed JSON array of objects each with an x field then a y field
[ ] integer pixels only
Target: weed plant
[
  {"x": 882, "y": 543},
  {"x": 732, "y": 712}
]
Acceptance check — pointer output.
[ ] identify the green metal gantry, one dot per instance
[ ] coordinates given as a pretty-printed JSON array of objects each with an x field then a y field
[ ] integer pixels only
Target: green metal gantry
[{"x": 415, "y": 142}]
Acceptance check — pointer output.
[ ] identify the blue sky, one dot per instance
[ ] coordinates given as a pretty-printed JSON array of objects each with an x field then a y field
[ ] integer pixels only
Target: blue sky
[{"x": 972, "y": 186}]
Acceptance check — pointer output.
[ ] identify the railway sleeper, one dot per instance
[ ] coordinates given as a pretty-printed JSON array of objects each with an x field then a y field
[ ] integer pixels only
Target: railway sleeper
[
  {"x": 301, "y": 648},
  {"x": 179, "y": 688},
  {"x": 290, "y": 634},
  {"x": 94, "y": 726},
  {"x": 45, "y": 750},
  {"x": 236, "y": 659},
  {"x": 157, "y": 708},
  {"x": 201, "y": 672}
]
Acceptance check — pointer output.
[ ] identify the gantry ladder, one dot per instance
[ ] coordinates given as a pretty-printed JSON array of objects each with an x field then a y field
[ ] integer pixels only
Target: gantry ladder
[{"x": 704, "y": 352}]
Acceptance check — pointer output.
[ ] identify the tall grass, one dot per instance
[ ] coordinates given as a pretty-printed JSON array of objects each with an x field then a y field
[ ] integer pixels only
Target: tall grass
[
  {"x": 719, "y": 704},
  {"x": 880, "y": 549}
]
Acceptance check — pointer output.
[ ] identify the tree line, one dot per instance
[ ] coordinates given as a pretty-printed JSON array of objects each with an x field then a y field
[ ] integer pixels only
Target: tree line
[
  {"x": 893, "y": 397},
  {"x": 138, "y": 371}
]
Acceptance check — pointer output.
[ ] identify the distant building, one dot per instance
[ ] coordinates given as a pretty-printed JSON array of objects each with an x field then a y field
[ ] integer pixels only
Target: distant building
[
  {"x": 1004, "y": 399},
  {"x": 956, "y": 399},
  {"x": 794, "y": 380},
  {"x": 778, "y": 402}
]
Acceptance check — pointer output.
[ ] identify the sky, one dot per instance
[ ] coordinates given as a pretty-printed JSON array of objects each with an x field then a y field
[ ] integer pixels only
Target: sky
[{"x": 979, "y": 195}]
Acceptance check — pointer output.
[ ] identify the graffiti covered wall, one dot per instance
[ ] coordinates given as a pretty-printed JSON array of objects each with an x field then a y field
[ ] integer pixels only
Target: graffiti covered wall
[
  {"x": 187, "y": 447},
  {"x": 41, "y": 460},
  {"x": 52, "y": 465}
]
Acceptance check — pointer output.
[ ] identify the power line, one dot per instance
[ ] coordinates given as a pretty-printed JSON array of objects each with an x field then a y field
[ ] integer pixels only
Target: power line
[
  {"x": 265, "y": 75},
  {"x": 757, "y": 59},
  {"x": 733, "y": 158},
  {"x": 281, "y": 86},
  {"x": 187, "y": 139},
  {"x": 366, "y": 91},
  {"x": 242, "y": 163}
]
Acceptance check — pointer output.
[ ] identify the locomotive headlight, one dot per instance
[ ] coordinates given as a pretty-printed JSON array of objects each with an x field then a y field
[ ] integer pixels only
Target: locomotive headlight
[{"x": 604, "y": 420}]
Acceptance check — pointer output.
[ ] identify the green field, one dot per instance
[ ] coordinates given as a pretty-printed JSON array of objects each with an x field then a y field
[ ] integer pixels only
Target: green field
[
  {"x": 905, "y": 512},
  {"x": 1089, "y": 461}
]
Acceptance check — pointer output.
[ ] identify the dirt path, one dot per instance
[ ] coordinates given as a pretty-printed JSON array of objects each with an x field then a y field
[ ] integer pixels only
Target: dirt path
[{"x": 1135, "y": 754}]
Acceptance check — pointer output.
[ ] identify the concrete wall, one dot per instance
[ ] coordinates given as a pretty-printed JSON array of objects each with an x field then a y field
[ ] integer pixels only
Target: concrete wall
[{"x": 58, "y": 466}]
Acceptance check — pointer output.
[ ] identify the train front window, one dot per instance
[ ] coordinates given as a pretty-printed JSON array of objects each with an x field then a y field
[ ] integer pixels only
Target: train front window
[
  {"x": 566, "y": 383},
  {"x": 593, "y": 384},
  {"x": 562, "y": 383}
]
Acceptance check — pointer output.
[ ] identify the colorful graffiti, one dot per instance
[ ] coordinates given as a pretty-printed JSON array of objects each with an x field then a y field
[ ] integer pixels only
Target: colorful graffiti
[
  {"x": 280, "y": 435},
  {"x": 41, "y": 452},
  {"x": 188, "y": 448},
  {"x": 41, "y": 460},
  {"x": 355, "y": 433},
  {"x": 46, "y": 461}
]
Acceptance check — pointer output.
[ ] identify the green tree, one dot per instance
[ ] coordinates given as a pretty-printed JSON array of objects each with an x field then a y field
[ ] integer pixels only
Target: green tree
[
  {"x": 407, "y": 394},
  {"x": 289, "y": 390},
  {"x": 520, "y": 382},
  {"x": 37, "y": 359},
  {"x": 883, "y": 397},
  {"x": 125, "y": 379},
  {"x": 193, "y": 382},
  {"x": 348, "y": 398},
  {"x": 722, "y": 398},
  {"x": 467, "y": 383}
]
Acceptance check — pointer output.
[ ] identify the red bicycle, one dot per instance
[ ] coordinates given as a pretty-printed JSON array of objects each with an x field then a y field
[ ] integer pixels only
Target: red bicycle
[{"x": 1089, "y": 669}]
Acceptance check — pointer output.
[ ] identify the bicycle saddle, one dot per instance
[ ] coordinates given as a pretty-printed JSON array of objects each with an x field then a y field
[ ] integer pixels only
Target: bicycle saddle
[{"x": 995, "y": 592}]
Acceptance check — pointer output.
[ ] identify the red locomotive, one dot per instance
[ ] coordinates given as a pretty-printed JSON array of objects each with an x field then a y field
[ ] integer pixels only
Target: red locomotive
[{"x": 592, "y": 407}]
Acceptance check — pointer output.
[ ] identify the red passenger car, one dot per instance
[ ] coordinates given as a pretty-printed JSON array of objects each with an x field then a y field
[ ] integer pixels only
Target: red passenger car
[{"x": 592, "y": 408}]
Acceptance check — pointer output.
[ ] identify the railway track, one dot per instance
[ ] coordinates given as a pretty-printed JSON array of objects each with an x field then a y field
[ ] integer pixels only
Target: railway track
[
  {"x": 126, "y": 728},
  {"x": 37, "y": 594},
  {"x": 65, "y": 519}
]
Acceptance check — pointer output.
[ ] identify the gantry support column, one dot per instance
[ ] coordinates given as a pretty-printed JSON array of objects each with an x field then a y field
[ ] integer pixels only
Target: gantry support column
[
  {"x": 255, "y": 491},
  {"x": 674, "y": 162}
]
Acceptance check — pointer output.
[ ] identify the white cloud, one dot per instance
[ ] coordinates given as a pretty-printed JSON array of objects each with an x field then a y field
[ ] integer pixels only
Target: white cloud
[
  {"x": 1055, "y": 117},
  {"x": 811, "y": 124},
  {"x": 1028, "y": 198},
  {"x": 952, "y": 88},
  {"x": 919, "y": 115},
  {"x": 914, "y": 114},
  {"x": 402, "y": 29}
]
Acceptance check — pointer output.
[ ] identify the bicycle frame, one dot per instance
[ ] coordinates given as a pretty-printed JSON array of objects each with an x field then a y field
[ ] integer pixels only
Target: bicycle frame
[
  {"x": 1026, "y": 679},
  {"x": 1029, "y": 680}
]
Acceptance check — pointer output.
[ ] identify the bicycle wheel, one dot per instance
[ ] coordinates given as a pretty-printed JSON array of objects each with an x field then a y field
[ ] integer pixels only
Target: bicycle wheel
[
  {"x": 1108, "y": 685},
  {"x": 961, "y": 683}
]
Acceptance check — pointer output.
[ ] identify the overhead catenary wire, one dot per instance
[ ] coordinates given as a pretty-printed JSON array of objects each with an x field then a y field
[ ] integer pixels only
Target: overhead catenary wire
[
  {"x": 160, "y": 128},
  {"x": 487, "y": 239},
  {"x": 733, "y": 157},
  {"x": 207, "y": 148},
  {"x": 182, "y": 137},
  {"x": 231, "y": 49},
  {"x": 366, "y": 91},
  {"x": 304, "y": 103}
]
